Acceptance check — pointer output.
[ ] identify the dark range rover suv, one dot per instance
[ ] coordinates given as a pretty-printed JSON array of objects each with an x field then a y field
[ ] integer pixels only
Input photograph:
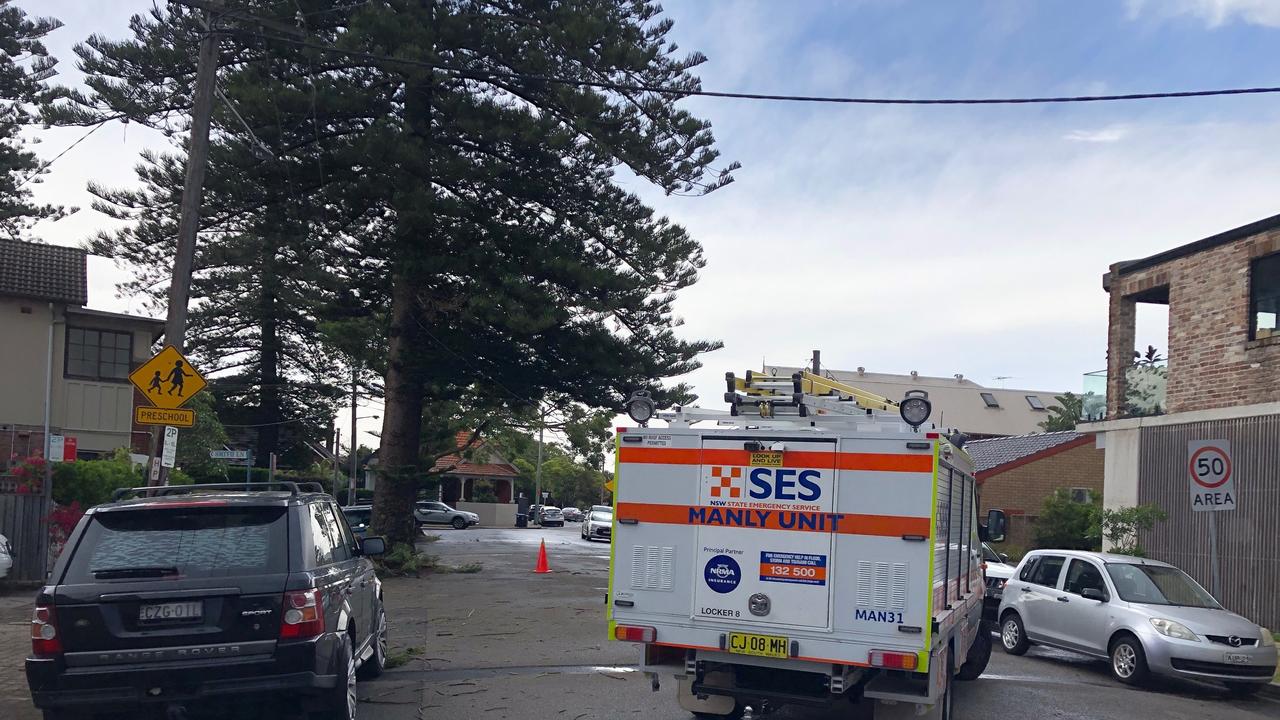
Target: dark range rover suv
[{"x": 175, "y": 597}]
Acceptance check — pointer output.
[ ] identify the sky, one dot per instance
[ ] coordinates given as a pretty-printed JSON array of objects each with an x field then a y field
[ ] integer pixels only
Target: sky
[{"x": 937, "y": 239}]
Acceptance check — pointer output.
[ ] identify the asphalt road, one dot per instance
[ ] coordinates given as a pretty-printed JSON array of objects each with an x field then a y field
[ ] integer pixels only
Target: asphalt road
[
  {"x": 588, "y": 677},
  {"x": 504, "y": 643}
]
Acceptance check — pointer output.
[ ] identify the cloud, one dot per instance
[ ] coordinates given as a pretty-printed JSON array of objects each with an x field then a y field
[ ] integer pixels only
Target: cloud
[
  {"x": 1214, "y": 12},
  {"x": 1110, "y": 134}
]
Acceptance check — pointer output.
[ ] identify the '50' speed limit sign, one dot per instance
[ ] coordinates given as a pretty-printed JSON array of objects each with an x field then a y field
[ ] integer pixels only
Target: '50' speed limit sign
[{"x": 1213, "y": 482}]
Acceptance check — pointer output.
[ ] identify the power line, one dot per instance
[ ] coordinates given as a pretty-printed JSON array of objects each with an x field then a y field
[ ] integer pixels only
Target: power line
[
  {"x": 490, "y": 75},
  {"x": 55, "y": 158}
]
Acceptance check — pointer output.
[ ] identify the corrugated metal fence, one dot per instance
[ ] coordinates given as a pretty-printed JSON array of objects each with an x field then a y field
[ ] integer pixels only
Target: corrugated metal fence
[
  {"x": 22, "y": 522},
  {"x": 1248, "y": 537}
]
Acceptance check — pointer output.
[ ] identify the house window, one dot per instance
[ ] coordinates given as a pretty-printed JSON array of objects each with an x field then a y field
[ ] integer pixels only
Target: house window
[
  {"x": 990, "y": 400},
  {"x": 1034, "y": 402},
  {"x": 1081, "y": 495},
  {"x": 98, "y": 354},
  {"x": 1264, "y": 296}
]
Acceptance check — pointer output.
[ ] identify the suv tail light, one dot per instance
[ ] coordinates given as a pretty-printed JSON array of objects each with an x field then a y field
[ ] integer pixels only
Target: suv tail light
[
  {"x": 634, "y": 633},
  {"x": 45, "y": 642},
  {"x": 303, "y": 615}
]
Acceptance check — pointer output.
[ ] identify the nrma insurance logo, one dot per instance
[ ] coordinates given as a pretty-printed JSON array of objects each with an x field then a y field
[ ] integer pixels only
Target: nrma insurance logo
[
  {"x": 740, "y": 486},
  {"x": 722, "y": 574}
]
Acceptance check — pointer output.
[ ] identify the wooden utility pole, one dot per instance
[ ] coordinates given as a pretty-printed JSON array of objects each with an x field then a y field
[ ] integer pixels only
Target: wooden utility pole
[
  {"x": 355, "y": 396},
  {"x": 175, "y": 329}
]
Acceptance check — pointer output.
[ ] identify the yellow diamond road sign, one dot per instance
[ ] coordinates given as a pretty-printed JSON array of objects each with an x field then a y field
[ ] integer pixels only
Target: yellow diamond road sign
[{"x": 167, "y": 380}]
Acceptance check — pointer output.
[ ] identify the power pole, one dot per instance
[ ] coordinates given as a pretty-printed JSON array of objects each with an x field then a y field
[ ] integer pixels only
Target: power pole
[
  {"x": 537, "y": 475},
  {"x": 337, "y": 446},
  {"x": 175, "y": 329},
  {"x": 355, "y": 388}
]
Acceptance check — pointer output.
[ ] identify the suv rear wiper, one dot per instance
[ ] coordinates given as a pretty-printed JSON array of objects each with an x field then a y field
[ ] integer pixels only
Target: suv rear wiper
[{"x": 108, "y": 573}]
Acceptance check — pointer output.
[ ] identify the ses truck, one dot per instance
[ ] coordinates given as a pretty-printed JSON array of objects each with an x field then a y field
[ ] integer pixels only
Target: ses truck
[{"x": 815, "y": 544}]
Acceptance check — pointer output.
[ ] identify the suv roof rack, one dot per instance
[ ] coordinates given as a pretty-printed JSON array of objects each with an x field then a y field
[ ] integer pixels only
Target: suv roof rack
[{"x": 160, "y": 491}]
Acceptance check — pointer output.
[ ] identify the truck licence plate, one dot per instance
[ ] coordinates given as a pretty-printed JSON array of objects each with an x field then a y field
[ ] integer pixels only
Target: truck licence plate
[
  {"x": 1236, "y": 658},
  {"x": 160, "y": 612},
  {"x": 771, "y": 646}
]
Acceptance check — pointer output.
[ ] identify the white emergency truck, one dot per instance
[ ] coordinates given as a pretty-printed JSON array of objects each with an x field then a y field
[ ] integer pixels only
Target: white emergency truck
[{"x": 814, "y": 544}]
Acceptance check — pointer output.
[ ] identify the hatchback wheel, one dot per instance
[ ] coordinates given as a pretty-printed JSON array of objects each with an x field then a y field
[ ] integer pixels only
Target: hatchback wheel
[
  {"x": 1013, "y": 637},
  {"x": 1128, "y": 661},
  {"x": 459, "y": 524}
]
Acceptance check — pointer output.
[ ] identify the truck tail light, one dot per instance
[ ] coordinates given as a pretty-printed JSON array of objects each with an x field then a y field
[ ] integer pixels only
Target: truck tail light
[
  {"x": 635, "y": 633},
  {"x": 303, "y": 615},
  {"x": 45, "y": 642},
  {"x": 893, "y": 660}
]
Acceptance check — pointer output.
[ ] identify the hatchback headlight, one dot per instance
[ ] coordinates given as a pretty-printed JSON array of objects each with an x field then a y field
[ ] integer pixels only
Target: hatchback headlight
[
  {"x": 1171, "y": 628},
  {"x": 1266, "y": 639}
]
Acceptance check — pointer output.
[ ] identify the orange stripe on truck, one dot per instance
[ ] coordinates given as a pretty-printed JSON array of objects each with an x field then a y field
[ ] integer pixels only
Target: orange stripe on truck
[
  {"x": 880, "y": 462},
  {"x": 793, "y": 520}
]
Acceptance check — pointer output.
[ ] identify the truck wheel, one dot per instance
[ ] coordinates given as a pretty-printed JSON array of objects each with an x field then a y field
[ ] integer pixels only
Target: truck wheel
[
  {"x": 1128, "y": 660},
  {"x": 459, "y": 524},
  {"x": 948, "y": 692},
  {"x": 1013, "y": 637},
  {"x": 979, "y": 655}
]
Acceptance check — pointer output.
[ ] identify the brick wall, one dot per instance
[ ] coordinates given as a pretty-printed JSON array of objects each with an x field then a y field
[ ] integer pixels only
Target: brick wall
[
  {"x": 1021, "y": 492},
  {"x": 1212, "y": 362}
]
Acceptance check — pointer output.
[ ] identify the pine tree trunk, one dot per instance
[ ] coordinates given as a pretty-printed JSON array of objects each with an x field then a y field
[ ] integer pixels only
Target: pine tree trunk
[
  {"x": 269, "y": 360},
  {"x": 398, "y": 463}
]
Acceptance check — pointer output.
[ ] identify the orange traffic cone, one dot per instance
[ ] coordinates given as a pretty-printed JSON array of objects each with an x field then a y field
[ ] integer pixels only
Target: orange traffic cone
[{"x": 542, "y": 567}]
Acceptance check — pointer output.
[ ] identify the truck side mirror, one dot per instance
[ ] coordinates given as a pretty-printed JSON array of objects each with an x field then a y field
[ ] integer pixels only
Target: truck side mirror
[{"x": 994, "y": 530}]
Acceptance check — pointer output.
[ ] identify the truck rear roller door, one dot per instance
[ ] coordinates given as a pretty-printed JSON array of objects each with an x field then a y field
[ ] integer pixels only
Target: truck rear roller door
[{"x": 765, "y": 521}]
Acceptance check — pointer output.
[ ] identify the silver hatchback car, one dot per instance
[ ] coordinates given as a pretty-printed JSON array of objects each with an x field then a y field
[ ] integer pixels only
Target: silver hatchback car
[{"x": 1143, "y": 615}]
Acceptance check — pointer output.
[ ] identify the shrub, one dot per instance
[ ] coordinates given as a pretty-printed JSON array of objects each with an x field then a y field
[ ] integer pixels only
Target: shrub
[
  {"x": 1068, "y": 525},
  {"x": 91, "y": 482}
]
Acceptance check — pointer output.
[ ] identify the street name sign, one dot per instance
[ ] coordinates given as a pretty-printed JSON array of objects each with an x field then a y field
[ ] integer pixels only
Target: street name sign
[
  {"x": 1213, "y": 482},
  {"x": 167, "y": 380},
  {"x": 229, "y": 454}
]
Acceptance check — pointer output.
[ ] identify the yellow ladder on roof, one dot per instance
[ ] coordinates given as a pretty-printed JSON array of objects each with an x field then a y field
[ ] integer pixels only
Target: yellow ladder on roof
[{"x": 809, "y": 384}]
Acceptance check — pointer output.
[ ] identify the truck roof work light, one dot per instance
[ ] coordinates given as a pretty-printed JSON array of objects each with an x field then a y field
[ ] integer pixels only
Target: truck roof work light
[
  {"x": 915, "y": 408},
  {"x": 640, "y": 407}
]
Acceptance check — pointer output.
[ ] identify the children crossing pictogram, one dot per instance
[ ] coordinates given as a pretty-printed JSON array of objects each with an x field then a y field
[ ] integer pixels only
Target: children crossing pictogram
[{"x": 167, "y": 380}]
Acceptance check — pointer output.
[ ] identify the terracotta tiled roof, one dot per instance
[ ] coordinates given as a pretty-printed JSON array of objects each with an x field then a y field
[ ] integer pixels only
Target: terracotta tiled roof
[
  {"x": 43, "y": 272},
  {"x": 464, "y": 467}
]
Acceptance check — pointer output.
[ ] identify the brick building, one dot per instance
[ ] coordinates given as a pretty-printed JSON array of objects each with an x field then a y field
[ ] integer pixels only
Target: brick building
[
  {"x": 1016, "y": 474},
  {"x": 1223, "y": 385}
]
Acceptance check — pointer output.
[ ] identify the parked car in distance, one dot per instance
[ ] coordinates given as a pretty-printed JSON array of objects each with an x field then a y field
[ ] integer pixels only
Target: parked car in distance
[
  {"x": 549, "y": 516},
  {"x": 207, "y": 594},
  {"x": 428, "y": 512},
  {"x": 533, "y": 513},
  {"x": 572, "y": 514},
  {"x": 6, "y": 557},
  {"x": 602, "y": 508},
  {"x": 996, "y": 572},
  {"x": 1144, "y": 616},
  {"x": 359, "y": 517},
  {"x": 598, "y": 525}
]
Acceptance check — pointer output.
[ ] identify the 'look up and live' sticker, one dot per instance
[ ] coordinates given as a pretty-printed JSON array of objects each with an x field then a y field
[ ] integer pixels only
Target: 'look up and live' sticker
[{"x": 796, "y": 568}]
